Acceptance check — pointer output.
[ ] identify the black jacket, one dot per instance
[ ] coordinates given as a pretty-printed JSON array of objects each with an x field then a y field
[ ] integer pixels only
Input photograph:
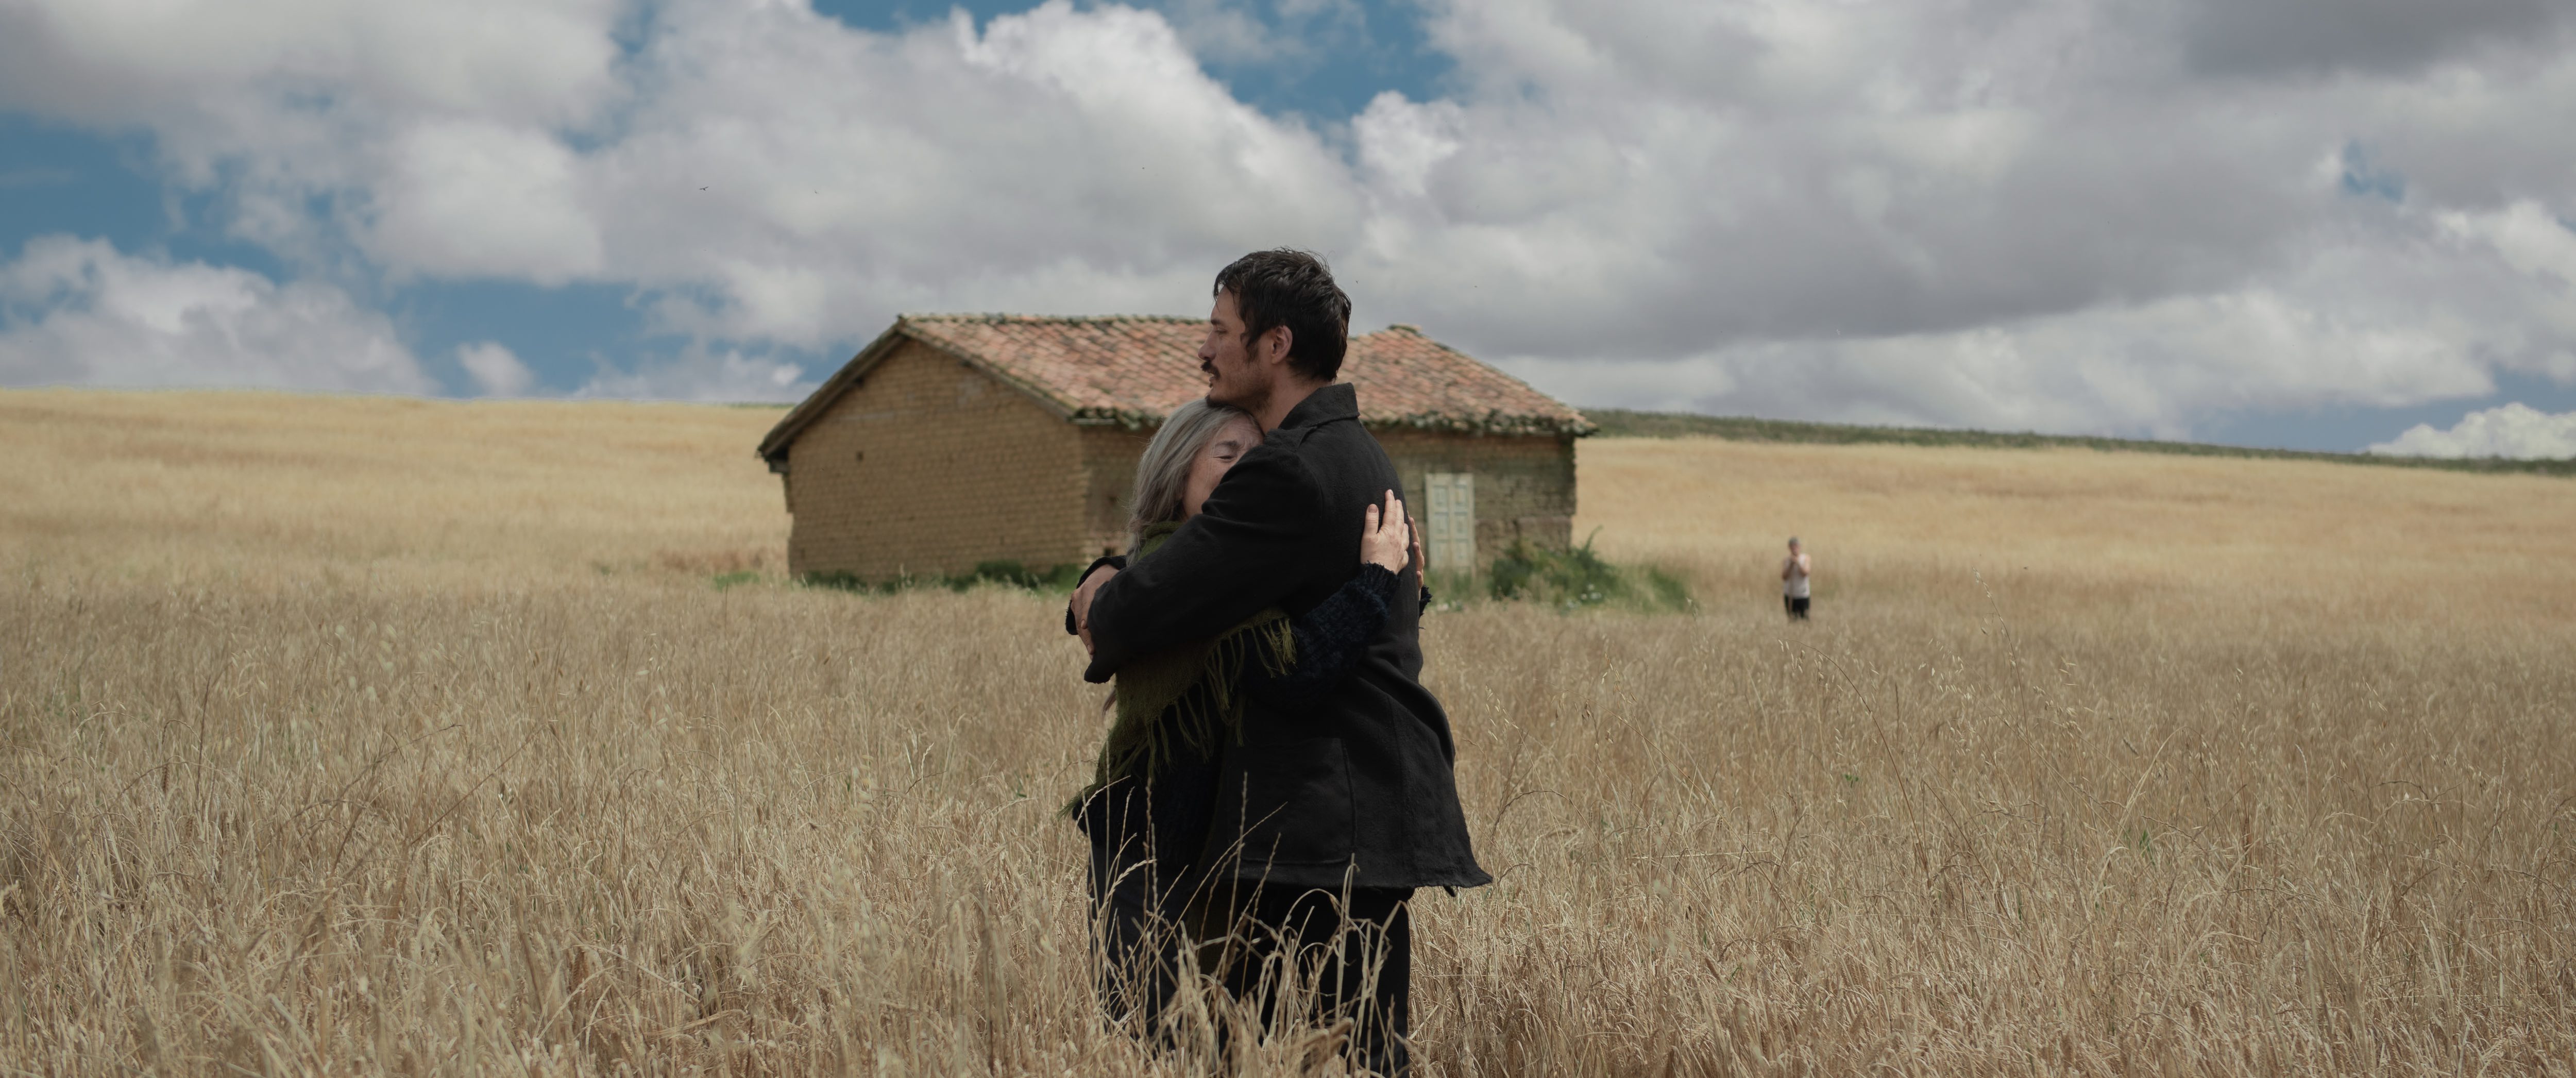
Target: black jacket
[
  {"x": 1168, "y": 811},
  {"x": 1357, "y": 787}
]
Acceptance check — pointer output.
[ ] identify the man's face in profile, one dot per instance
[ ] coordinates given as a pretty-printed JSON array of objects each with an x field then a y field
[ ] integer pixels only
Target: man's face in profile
[{"x": 1232, "y": 376}]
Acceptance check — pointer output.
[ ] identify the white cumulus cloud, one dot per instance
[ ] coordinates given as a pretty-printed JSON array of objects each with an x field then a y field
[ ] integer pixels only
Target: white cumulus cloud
[
  {"x": 2514, "y": 430},
  {"x": 483, "y": 199},
  {"x": 2131, "y": 216},
  {"x": 727, "y": 377},
  {"x": 220, "y": 62},
  {"x": 495, "y": 369},
  {"x": 78, "y": 312}
]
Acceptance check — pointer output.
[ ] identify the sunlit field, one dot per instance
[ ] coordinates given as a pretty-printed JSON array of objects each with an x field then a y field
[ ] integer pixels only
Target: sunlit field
[{"x": 349, "y": 736}]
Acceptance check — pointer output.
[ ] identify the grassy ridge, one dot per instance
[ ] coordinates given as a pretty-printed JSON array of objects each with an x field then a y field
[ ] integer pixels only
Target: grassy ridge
[{"x": 1622, "y": 423}]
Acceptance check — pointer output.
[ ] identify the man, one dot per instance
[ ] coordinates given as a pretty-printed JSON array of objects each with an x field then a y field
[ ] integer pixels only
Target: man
[
  {"x": 1794, "y": 576},
  {"x": 1330, "y": 815}
]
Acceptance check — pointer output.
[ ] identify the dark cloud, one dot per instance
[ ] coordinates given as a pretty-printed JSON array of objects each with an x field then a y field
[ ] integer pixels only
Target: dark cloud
[{"x": 2272, "y": 37}]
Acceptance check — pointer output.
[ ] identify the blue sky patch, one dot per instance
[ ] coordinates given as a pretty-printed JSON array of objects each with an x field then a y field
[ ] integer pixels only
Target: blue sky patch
[
  {"x": 1321, "y": 61},
  {"x": 2348, "y": 428},
  {"x": 563, "y": 334},
  {"x": 94, "y": 186},
  {"x": 2362, "y": 179}
]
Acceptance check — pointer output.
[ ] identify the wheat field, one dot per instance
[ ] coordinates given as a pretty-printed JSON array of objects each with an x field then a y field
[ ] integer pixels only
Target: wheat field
[{"x": 348, "y": 736}]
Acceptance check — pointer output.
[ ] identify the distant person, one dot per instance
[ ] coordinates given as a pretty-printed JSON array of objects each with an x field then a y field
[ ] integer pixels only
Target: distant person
[{"x": 1795, "y": 573}]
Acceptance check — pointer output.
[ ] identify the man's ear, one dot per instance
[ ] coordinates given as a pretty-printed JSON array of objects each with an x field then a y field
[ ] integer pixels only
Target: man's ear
[{"x": 1275, "y": 344}]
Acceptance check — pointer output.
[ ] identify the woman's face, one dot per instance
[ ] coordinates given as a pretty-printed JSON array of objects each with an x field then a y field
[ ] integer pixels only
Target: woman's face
[{"x": 1229, "y": 444}]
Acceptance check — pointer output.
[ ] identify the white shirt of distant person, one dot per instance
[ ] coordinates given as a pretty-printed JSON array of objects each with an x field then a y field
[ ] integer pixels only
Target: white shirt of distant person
[{"x": 1797, "y": 577}]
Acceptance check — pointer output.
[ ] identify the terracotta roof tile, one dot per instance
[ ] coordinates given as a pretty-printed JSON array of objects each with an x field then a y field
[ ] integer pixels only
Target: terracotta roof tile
[
  {"x": 1137, "y": 369},
  {"x": 1133, "y": 370}
]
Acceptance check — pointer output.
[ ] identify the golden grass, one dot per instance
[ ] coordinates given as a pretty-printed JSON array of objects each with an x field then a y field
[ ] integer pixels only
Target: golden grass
[
  {"x": 355, "y": 735},
  {"x": 2180, "y": 535},
  {"x": 264, "y": 488}
]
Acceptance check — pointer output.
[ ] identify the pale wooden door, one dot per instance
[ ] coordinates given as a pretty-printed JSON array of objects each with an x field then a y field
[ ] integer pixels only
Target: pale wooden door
[{"x": 1451, "y": 544}]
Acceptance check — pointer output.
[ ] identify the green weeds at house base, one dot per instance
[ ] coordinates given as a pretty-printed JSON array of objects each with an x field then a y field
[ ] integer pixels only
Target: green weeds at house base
[
  {"x": 1054, "y": 578},
  {"x": 1575, "y": 578},
  {"x": 1057, "y": 578}
]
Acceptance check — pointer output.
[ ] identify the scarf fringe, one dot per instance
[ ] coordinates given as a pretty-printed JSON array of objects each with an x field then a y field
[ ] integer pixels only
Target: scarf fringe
[{"x": 1188, "y": 698}]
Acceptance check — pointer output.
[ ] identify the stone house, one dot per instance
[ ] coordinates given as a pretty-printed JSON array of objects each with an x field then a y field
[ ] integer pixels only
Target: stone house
[{"x": 954, "y": 440}]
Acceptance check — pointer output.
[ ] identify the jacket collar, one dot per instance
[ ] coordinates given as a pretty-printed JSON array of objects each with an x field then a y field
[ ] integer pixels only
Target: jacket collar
[{"x": 1340, "y": 400}]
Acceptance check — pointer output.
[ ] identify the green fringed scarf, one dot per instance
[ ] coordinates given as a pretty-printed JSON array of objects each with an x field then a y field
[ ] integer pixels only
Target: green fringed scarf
[{"x": 1186, "y": 693}]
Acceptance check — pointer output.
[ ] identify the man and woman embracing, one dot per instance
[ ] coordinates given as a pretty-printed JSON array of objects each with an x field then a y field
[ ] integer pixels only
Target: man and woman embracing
[{"x": 1276, "y": 783}]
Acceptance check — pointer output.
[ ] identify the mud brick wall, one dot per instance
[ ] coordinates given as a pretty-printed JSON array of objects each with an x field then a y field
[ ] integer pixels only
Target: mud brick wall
[
  {"x": 1109, "y": 456},
  {"x": 1524, "y": 484},
  {"x": 929, "y": 467}
]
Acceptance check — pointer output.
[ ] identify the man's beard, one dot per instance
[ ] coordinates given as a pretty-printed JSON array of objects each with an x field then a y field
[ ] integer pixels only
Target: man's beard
[{"x": 1251, "y": 399}]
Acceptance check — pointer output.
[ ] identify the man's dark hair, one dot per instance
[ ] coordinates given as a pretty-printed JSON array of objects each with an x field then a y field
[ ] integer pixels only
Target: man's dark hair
[{"x": 1293, "y": 289}]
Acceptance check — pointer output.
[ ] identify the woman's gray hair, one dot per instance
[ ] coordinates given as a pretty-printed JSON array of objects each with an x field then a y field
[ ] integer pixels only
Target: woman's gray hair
[{"x": 1164, "y": 472}]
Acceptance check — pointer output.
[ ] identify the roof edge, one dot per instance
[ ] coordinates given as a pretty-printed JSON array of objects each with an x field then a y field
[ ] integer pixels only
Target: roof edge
[
  {"x": 1574, "y": 427},
  {"x": 773, "y": 446},
  {"x": 1491, "y": 423},
  {"x": 1064, "y": 409},
  {"x": 1003, "y": 316}
]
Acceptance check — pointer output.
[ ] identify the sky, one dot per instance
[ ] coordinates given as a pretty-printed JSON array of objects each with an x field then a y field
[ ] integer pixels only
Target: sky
[{"x": 2317, "y": 224}]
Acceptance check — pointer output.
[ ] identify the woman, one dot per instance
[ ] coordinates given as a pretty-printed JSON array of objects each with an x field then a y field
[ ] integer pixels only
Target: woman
[{"x": 1153, "y": 790}]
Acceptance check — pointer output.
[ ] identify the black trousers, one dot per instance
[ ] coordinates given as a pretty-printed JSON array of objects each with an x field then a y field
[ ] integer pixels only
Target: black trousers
[
  {"x": 1301, "y": 956},
  {"x": 1797, "y": 605},
  {"x": 1294, "y": 957},
  {"x": 1146, "y": 943}
]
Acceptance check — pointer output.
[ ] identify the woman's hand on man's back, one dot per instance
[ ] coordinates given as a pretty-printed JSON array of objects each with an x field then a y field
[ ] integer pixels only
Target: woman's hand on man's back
[{"x": 1386, "y": 535}]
